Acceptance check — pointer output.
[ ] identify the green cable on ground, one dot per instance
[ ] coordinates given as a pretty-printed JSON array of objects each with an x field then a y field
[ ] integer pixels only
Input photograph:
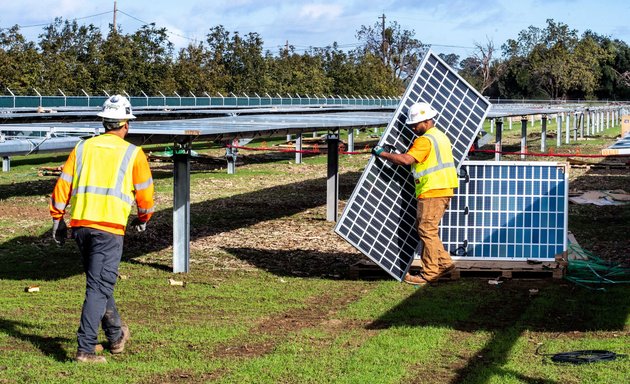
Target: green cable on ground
[{"x": 587, "y": 270}]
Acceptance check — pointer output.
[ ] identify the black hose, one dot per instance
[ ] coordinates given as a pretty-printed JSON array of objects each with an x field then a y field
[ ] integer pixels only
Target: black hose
[{"x": 585, "y": 356}]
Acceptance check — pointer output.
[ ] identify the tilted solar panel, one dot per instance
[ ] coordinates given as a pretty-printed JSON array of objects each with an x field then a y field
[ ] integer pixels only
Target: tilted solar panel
[
  {"x": 379, "y": 219},
  {"x": 508, "y": 211}
]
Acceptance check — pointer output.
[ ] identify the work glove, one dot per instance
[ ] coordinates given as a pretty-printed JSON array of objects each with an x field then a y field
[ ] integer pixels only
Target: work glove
[
  {"x": 138, "y": 225},
  {"x": 378, "y": 149},
  {"x": 59, "y": 231}
]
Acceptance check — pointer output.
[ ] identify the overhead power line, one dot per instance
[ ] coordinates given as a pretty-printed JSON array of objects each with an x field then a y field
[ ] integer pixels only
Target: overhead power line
[
  {"x": 74, "y": 19},
  {"x": 144, "y": 22},
  {"x": 167, "y": 31}
]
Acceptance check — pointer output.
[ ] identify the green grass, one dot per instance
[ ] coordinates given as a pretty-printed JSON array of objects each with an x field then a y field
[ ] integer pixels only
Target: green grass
[{"x": 268, "y": 299}]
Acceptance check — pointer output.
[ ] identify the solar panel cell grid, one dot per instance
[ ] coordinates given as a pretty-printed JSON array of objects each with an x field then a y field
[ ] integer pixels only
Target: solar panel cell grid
[
  {"x": 507, "y": 211},
  {"x": 388, "y": 189}
]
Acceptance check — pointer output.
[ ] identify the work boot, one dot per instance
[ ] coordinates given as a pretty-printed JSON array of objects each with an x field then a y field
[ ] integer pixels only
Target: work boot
[
  {"x": 119, "y": 345},
  {"x": 416, "y": 280},
  {"x": 86, "y": 357}
]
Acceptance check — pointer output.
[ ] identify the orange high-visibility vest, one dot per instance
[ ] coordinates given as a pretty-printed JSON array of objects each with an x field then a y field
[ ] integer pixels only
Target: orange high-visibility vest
[{"x": 438, "y": 170}]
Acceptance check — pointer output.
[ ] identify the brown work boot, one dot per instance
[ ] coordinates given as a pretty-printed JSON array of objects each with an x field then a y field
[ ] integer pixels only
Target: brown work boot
[
  {"x": 415, "y": 280},
  {"x": 119, "y": 346},
  {"x": 86, "y": 357}
]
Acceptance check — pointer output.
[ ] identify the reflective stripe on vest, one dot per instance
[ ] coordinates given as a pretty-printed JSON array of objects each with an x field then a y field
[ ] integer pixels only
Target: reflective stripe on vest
[
  {"x": 439, "y": 164},
  {"x": 104, "y": 203}
]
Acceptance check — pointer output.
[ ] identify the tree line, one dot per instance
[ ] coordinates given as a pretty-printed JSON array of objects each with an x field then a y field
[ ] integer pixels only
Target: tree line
[{"x": 544, "y": 63}]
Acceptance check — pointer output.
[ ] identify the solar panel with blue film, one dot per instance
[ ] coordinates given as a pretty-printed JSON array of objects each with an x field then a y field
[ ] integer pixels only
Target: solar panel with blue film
[{"x": 508, "y": 211}]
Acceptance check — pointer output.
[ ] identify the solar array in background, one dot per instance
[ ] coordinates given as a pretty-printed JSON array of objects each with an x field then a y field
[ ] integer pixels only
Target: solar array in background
[
  {"x": 379, "y": 219},
  {"x": 508, "y": 211}
]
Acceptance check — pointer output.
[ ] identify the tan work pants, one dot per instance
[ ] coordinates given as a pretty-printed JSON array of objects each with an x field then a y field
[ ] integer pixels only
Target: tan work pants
[{"x": 434, "y": 257}]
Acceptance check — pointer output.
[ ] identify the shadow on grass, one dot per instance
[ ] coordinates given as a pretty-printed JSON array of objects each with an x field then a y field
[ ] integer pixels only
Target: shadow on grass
[
  {"x": 35, "y": 257},
  {"x": 299, "y": 263},
  {"x": 50, "y": 346},
  {"x": 506, "y": 312}
]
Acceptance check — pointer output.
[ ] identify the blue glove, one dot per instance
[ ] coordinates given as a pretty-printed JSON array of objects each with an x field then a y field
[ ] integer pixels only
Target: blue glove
[
  {"x": 59, "y": 231},
  {"x": 377, "y": 150},
  {"x": 138, "y": 225}
]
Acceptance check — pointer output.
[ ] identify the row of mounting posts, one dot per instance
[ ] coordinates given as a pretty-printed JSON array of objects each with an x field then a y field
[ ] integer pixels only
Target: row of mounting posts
[{"x": 583, "y": 125}]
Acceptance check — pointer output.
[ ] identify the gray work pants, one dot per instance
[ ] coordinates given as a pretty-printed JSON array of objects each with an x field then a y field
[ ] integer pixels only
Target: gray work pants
[{"x": 101, "y": 252}]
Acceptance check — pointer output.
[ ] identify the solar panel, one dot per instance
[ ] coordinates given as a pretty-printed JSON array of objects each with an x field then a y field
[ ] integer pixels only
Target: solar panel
[
  {"x": 508, "y": 211},
  {"x": 379, "y": 219}
]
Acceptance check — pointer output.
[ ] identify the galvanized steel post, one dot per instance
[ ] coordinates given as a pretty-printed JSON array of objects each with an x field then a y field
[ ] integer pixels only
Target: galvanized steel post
[
  {"x": 6, "y": 163},
  {"x": 350, "y": 140},
  {"x": 543, "y": 134},
  {"x": 332, "y": 183},
  {"x": 181, "y": 211},
  {"x": 559, "y": 129},
  {"x": 567, "y": 128},
  {"x": 298, "y": 148},
  {"x": 523, "y": 136},
  {"x": 498, "y": 146}
]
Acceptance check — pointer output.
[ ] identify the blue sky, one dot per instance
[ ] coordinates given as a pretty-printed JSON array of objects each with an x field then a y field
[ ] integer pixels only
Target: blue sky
[{"x": 452, "y": 26}]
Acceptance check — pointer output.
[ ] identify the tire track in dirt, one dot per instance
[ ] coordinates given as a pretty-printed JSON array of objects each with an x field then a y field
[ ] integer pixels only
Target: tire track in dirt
[{"x": 320, "y": 310}]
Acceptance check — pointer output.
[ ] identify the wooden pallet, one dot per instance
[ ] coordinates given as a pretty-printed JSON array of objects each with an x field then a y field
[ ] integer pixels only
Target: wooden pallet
[
  {"x": 368, "y": 270},
  {"x": 507, "y": 269},
  {"x": 608, "y": 165}
]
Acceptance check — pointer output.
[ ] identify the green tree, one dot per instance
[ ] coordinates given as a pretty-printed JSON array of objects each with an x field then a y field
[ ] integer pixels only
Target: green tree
[
  {"x": 372, "y": 78},
  {"x": 20, "y": 70},
  {"x": 119, "y": 68},
  {"x": 451, "y": 59},
  {"x": 340, "y": 68},
  {"x": 218, "y": 40},
  {"x": 398, "y": 49},
  {"x": 70, "y": 54},
  {"x": 191, "y": 71},
  {"x": 245, "y": 63},
  {"x": 152, "y": 61},
  {"x": 292, "y": 73}
]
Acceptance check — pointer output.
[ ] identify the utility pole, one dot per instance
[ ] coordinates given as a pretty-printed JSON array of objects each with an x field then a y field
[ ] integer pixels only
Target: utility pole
[
  {"x": 383, "y": 42},
  {"x": 115, "y": 10}
]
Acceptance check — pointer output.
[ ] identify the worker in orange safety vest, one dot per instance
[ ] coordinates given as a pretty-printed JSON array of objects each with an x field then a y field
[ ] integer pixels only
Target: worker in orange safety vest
[{"x": 99, "y": 182}]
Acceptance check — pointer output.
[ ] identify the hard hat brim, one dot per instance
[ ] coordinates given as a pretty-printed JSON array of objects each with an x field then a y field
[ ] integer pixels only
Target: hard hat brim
[
  {"x": 430, "y": 116},
  {"x": 127, "y": 117}
]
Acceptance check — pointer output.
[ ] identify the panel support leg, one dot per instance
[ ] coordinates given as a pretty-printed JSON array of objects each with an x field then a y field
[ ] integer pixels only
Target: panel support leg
[
  {"x": 498, "y": 146},
  {"x": 230, "y": 155},
  {"x": 181, "y": 212},
  {"x": 332, "y": 184},
  {"x": 350, "y": 140},
  {"x": 543, "y": 134},
  {"x": 6, "y": 163},
  {"x": 298, "y": 148},
  {"x": 523, "y": 136}
]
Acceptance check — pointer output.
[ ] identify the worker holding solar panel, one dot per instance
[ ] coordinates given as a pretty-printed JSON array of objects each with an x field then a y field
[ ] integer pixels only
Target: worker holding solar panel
[
  {"x": 431, "y": 160},
  {"x": 99, "y": 182}
]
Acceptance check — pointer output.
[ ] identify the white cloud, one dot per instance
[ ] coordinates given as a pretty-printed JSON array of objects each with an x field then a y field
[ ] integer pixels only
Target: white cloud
[{"x": 320, "y": 11}]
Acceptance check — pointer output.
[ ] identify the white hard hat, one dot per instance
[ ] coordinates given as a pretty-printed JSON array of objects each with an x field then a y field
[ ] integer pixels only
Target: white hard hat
[
  {"x": 420, "y": 112},
  {"x": 116, "y": 108}
]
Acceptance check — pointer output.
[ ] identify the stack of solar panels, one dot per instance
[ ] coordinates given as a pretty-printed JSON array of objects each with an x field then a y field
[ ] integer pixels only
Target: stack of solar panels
[{"x": 379, "y": 219}]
